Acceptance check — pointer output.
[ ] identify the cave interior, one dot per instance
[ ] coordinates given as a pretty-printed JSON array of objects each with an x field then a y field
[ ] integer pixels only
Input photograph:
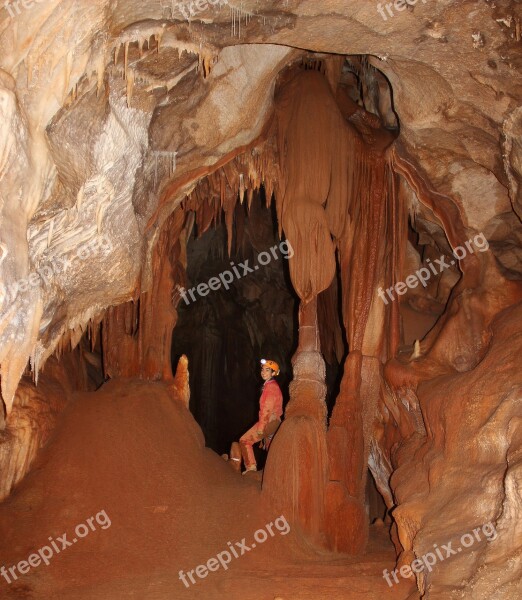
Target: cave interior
[{"x": 188, "y": 188}]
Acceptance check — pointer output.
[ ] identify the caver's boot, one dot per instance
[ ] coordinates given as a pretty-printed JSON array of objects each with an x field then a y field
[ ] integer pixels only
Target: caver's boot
[{"x": 248, "y": 469}]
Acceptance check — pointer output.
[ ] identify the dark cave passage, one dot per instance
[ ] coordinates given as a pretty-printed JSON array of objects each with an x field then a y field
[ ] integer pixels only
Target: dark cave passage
[
  {"x": 236, "y": 327},
  {"x": 256, "y": 317}
]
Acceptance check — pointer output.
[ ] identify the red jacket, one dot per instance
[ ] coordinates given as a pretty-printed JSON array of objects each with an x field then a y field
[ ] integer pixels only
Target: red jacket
[{"x": 270, "y": 404}]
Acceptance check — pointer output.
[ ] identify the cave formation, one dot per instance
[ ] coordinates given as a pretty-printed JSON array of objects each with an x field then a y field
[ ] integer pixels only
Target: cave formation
[{"x": 147, "y": 148}]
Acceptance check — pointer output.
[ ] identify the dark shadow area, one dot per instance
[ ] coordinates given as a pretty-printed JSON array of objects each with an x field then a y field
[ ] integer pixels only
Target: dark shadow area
[{"x": 226, "y": 332}]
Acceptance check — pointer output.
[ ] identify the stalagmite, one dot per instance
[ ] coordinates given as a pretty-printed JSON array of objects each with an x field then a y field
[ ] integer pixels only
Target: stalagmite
[
  {"x": 181, "y": 382},
  {"x": 296, "y": 472}
]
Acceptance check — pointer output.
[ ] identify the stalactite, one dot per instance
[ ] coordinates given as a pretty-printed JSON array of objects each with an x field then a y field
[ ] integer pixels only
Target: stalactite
[
  {"x": 68, "y": 71},
  {"x": 130, "y": 86},
  {"x": 158, "y": 36},
  {"x": 307, "y": 110},
  {"x": 228, "y": 208},
  {"x": 100, "y": 72},
  {"x": 93, "y": 330},
  {"x": 227, "y": 186},
  {"x": 125, "y": 59},
  {"x": 241, "y": 188},
  {"x": 167, "y": 156}
]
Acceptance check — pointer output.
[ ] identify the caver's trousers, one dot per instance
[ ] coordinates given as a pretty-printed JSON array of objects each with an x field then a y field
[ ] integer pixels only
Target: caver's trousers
[{"x": 253, "y": 436}]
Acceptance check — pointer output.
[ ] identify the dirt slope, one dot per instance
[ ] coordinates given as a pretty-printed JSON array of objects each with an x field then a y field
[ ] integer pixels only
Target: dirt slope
[{"x": 132, "y": 455}]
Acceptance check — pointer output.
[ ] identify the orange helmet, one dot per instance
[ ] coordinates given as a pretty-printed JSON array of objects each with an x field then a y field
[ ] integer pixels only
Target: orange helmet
[{"x": 271, "y": 364}]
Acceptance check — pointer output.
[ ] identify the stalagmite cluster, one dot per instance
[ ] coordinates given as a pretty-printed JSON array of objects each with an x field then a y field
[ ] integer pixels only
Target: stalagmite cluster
[{"x": 386, "y": 148}]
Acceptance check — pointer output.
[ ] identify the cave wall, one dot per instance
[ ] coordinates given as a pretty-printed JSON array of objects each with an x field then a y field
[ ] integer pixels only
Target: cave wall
[
  {"x": 37, "y": 409},
  {"x": 137, "y": 336},
  {"x": 473, "y": 471}
]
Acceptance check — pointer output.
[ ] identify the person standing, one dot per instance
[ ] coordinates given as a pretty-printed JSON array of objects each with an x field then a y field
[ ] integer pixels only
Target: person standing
[{"x": 270, "y": 413}]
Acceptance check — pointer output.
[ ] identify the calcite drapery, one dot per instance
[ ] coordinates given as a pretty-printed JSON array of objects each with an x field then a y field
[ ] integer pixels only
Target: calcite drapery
[{"x": 370, "y": 257}]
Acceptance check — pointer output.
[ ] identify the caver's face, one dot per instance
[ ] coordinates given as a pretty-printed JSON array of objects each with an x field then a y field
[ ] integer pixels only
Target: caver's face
[{"x": 266, "y": 373}]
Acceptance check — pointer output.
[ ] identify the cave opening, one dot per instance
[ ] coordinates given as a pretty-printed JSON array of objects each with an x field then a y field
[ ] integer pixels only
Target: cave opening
[{"x": 250, "y": 314}]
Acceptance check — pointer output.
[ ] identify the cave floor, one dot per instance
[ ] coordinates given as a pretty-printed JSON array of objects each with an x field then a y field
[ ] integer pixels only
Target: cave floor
[{"x": 131, "y": 459}]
